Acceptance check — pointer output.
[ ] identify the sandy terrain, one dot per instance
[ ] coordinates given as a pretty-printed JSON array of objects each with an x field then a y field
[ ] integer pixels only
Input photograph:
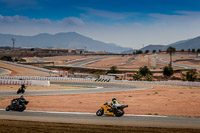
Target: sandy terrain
[
  {"x": 52, "y": 87},
  {"x": 160, "y": 100},
  {"x": 128, "y": 64},
  {"x": 19, "y": 71},
  {"x": 121, "y": 62}
]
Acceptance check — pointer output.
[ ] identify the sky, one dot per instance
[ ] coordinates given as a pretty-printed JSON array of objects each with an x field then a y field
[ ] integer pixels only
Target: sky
[{"x": 128, "y": 23}]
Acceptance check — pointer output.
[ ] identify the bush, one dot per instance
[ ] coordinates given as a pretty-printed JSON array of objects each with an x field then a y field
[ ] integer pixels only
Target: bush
[
  {"x": 144, "y": 71},
  {"x": 6, "y": 58},
  {"x": 113, "y": 69},
  {"x": 137, "y": 76},
  {"x": 148, "y": 77},
  {"x": 191, "y": 75},
  {"x": 168, "y": 71}
]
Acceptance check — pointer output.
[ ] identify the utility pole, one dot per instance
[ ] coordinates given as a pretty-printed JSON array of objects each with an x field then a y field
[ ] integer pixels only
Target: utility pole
[
  {"x": 13, "y": 40},
  {"x": 13, "y": 43}
]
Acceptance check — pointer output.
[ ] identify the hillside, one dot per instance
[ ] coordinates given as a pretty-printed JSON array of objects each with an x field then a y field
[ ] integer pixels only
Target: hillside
[
  {"x": 69, "y": 40},
  {"x": 193, "y": 43}
]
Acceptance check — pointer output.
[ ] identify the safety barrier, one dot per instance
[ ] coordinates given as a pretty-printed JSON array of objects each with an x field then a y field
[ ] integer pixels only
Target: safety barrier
[
  {"x": 178, "y": 83},
  {"x": 43, "y": 78},
  {"x": 26, "y": 82}
]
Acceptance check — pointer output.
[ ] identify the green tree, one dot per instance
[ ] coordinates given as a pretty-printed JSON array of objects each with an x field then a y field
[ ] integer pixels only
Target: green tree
[
  {"x": 144, "y": 71},
  {"x": 189, "y": 50},
  {"x": 147, "y": 51},
  {"x": 113, "y": 69},
  {"x": 154, "y": 51},
  {"x": 193, "y": 50},
  {"x": 139, "y": 52},
  {"x": 191, "y": 75},
  {"x": 182, "y": 50},
  {"x": 198, "y": 52},
  {"x": 168, "y": 71},
  {"x": 170, "y": 51}
]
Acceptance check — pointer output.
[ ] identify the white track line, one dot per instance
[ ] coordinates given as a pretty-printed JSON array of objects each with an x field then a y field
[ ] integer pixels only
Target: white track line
[{"x": 87, "y": 113}]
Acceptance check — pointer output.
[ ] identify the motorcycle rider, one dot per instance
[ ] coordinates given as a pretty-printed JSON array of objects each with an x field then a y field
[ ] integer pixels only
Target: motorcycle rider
[
  {"x": 114, "y": 103},
  {"x": 23, "y": 87},
  {"x": 22, "y": 99}
]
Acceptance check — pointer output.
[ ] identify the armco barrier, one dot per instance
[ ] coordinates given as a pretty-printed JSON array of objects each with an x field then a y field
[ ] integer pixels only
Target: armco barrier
[
  {"x": 180, "y": 83},
  {"x": 26, "y": 82},
  {"x": 43, "y": 78}
]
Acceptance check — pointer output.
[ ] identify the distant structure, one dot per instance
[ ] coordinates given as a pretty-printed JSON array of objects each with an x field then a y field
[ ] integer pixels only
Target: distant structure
[{"x": 13, "y": 40}]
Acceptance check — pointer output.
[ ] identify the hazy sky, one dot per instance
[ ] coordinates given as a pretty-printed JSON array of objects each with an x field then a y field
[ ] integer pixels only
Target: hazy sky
[{"x": 130, "y": 23}]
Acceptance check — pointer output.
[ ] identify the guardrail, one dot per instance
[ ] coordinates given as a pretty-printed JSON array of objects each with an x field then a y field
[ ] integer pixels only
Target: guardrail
[
  {"x": 26, "y": 82},
  {"x": 178, "y": 83},
  {"x": 43, "y": 78}
]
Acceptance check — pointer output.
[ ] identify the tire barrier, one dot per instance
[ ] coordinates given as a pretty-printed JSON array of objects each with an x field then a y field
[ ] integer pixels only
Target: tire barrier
[
  {"x": 26, "y": 82},
  {"x": 102, "y": 80}
]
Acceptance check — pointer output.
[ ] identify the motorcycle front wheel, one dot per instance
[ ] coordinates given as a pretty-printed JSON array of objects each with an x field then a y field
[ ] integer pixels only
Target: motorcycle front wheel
[
  {"x": 119, "y": 113},
  {"x": 8, "y": 108},
  {"x": 22, "y": 108},
  {"x": 99, "y": 112}
]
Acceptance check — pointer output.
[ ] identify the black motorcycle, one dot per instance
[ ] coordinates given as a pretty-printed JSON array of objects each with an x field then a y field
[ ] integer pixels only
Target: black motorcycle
[
  {"x": 17, "y": 104},
  {"x": 20, "y": 90}
]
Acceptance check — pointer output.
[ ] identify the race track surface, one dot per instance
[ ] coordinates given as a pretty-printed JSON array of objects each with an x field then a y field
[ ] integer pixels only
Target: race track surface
[
  {"x": 91, "y": 118},
  {"x": 96, "y": 88}
]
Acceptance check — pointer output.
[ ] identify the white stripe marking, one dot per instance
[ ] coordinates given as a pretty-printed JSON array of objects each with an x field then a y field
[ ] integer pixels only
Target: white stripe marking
[{"x": 86, "y": 113}]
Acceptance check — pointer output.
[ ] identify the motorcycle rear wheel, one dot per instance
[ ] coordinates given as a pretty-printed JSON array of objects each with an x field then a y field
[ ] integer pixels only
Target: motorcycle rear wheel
[{"x": 99, "y": 112}]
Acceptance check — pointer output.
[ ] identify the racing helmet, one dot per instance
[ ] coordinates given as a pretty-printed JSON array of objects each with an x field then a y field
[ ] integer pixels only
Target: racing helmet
[{"x": 114, "y": 99}]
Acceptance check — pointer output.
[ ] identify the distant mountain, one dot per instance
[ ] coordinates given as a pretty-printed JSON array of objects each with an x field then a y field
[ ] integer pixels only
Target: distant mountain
[
  {"x": 130, "y": 51},
  {"x": 69, "y": 40},
  {"x": 193, "y": 43},
  {"x": 187, "y": 44}
]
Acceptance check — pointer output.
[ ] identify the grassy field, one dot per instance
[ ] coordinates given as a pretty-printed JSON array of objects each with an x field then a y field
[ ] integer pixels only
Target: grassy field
[{"x": 7, "y": 126}]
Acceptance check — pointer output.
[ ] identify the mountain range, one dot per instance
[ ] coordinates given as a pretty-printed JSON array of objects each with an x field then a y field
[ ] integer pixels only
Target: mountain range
[
  {"x": 69, "y": 40},
  {"x": 193, "y": 43}
]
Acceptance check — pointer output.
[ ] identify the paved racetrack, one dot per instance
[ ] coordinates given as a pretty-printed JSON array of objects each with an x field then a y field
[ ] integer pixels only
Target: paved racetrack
[
  {"x": 91, "y": 118},
  {"x": 97, "y": 88}
]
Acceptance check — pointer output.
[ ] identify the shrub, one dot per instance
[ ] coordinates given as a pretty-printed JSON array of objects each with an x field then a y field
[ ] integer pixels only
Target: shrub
[
  {"x": 148, "y": 77},
  {"x": 191, "y": 75},
  {"x": 113, "y": 69},
  {"x": 137, "y": 76},
  {"x": 6, "y": 58},
  {"x": 168, "y": 71},
  {"x": 144, "y": 71}
]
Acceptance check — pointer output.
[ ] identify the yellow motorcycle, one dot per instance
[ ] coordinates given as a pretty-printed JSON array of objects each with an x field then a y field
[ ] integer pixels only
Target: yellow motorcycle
[{"x": 109, "y": 110}]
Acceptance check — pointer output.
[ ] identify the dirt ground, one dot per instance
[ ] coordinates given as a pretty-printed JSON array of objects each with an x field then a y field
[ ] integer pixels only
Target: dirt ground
[
  {"x": 160, "y": 100},
  {"x": 20, "y": 71}
]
